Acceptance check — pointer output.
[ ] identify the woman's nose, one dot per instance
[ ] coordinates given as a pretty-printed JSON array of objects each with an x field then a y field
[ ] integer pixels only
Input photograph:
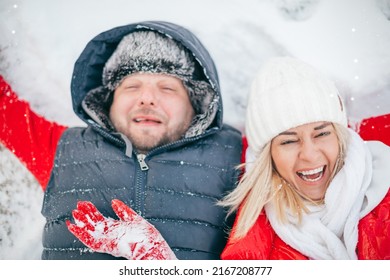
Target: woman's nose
[{"x": 308, "y": 150}]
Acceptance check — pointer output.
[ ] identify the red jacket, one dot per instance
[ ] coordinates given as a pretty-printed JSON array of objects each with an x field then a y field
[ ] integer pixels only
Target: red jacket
[{"x": 262, "y": 243}]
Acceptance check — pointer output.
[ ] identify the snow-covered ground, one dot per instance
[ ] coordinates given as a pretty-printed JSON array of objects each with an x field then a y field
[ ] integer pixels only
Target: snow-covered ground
[{"x": 349, "y": 40}]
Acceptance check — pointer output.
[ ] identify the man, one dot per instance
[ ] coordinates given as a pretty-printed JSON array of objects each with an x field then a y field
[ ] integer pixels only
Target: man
[{"x": 155, "y": 140}]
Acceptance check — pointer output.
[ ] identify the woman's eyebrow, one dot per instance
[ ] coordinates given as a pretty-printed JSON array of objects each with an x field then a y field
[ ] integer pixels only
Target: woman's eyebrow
[
  {"x": 287, "y": 133},
  {"x": 322, "y": 126}
]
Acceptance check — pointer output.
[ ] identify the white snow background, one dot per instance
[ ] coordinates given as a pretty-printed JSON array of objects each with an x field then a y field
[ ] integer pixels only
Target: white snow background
[{"x": 349, "y": 40}]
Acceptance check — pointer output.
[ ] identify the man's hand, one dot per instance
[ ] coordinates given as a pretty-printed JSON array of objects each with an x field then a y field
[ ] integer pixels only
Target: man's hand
[{"x": 131, "y": 236}]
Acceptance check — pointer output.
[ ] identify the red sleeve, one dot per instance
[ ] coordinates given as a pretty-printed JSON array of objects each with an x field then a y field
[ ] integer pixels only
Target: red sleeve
[
  {"x": 376, "y": 128},
  {"x": 244, "y": 147},
  {"x": 374, "y": 233},
  {"x": 32, "y": 138}
]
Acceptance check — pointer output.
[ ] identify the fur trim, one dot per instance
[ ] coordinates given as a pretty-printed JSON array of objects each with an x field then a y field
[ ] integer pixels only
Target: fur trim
[
  {"x": 97, "y": 105},
  {"x": 205, "y": 103}
]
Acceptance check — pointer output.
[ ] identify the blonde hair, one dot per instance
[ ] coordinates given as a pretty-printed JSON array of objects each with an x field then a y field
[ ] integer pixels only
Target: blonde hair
[{"x": 261, "y": 184}]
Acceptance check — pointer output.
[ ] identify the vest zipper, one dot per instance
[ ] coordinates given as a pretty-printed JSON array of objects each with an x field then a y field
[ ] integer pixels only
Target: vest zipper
[
  {"x": 141, "y": 173},
  {"x": 140, "y": 183},
  {"x": 142, "y": 163}
]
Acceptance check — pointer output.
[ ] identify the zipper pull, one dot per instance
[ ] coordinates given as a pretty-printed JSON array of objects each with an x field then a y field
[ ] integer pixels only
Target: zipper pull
[{"x": 142, "y": 163}]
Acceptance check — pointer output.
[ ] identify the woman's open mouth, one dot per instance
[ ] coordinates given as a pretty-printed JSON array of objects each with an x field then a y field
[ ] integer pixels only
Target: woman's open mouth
[{"x": 313, "y": 175}]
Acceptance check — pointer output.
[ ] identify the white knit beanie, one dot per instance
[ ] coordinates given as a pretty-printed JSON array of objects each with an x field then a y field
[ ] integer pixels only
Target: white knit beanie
[{"x": 287, "y": 93}]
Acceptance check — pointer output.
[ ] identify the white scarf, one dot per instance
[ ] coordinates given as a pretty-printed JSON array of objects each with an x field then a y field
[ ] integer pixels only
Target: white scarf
[{"x": 330, "y": 231}]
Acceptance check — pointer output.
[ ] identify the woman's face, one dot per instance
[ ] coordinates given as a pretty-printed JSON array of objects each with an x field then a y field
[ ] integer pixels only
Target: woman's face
[{"x": 305, "y": 157}]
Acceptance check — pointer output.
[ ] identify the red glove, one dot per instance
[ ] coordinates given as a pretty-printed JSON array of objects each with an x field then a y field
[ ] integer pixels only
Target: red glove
[{"x": 131, "y": 236}]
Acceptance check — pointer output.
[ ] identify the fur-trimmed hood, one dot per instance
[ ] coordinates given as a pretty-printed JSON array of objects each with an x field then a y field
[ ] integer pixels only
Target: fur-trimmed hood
[{"x": 89, "y": 92}]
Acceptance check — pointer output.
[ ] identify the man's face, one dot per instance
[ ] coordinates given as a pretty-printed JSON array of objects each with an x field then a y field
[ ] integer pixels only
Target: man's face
[{"x": 151, "y": 110}]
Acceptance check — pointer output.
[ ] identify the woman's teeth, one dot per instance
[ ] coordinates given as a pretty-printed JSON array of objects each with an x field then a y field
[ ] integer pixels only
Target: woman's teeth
[{"x": 312, "y": 175}]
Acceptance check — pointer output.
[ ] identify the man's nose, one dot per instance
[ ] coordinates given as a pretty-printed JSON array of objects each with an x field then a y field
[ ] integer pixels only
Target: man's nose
[{"x": 148, "y": 96}]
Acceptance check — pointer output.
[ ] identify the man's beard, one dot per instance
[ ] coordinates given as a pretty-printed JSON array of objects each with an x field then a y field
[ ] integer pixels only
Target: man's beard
[{"x": 146, "y": 142}]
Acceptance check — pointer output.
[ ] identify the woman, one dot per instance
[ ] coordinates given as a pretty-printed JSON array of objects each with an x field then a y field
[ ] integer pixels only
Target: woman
[{"x": 313, "y": 189}]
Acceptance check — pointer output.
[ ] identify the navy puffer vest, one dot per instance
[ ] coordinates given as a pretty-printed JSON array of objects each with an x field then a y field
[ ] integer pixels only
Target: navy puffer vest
[{"x": 177, "y": 194}]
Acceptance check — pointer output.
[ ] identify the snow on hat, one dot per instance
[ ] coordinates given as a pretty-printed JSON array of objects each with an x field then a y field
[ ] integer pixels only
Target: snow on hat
[
  {"x": 149, "y": 52},
  {"x": 287, "y": 93}
]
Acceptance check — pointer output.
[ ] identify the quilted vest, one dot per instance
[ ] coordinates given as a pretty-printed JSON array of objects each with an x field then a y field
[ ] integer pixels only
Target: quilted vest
[{"x": 176, "y": 193}]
